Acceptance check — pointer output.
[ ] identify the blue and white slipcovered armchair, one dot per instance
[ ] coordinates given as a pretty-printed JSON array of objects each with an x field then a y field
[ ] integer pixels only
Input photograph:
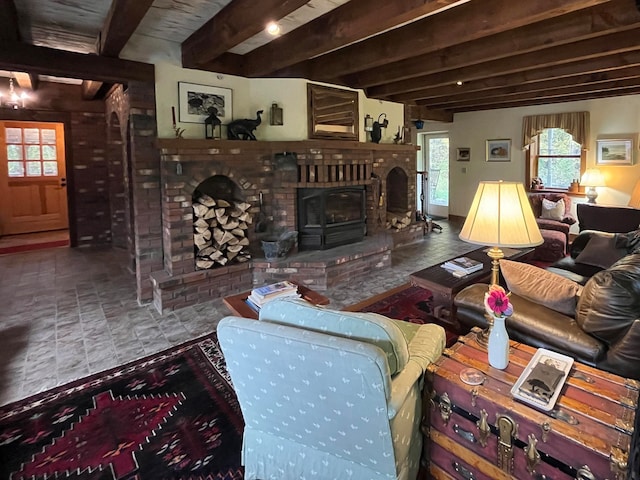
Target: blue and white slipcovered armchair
[{"x": 327, "y": 394}]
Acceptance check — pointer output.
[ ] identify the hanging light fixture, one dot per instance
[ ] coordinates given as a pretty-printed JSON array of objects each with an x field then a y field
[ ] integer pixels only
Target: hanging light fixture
[{"x": 12, "y": 99}]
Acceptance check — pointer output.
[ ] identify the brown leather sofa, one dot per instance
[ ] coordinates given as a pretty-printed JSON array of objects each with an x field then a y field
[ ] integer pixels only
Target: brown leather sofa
[
  {"x": 616, "y": 219},
  {"x": 605, "y": 330}
]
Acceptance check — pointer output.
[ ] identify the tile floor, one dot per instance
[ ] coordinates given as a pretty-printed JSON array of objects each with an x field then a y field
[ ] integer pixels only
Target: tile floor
[{"x": 67, "y": 313}]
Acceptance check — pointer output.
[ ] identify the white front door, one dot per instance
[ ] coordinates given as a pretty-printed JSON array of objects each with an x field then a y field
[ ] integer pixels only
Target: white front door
[{"x": 433, "y": 187}]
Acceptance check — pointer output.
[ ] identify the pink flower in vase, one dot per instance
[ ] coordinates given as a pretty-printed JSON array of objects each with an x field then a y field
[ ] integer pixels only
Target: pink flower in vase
[{"x": 496, "y": 302}]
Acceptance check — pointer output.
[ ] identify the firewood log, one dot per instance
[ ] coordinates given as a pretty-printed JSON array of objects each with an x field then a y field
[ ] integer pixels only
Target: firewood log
[
  {"x": 230, "y": 225},
  {"x": 204, "y": 264},
  {"x": 200, "y": 210},
  {"x": 206, "y": 200}
]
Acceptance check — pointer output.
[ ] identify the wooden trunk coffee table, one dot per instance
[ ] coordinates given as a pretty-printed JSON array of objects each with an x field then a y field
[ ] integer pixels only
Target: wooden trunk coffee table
[
  {"x": 444, "y": 286},
  {"x": 238, "y": 305}
]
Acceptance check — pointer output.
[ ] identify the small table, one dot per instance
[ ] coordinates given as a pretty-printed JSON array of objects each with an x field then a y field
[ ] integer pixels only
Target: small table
[
  {"x": 444, "y": 285},
  {"x": 238, "y": 305}
]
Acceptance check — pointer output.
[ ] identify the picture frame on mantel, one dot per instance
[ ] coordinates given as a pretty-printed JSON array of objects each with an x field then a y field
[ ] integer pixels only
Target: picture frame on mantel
[
  {"x": 195, "y": 101},
  {"x": 499, "y": 150},
  {"x": 614, "y": 151},
  {"x": 464, "y": 154}
]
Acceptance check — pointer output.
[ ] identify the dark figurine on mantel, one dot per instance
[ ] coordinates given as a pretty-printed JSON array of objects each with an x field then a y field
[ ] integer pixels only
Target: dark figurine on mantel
[
  {"x": 243, "y": 129},
  {"x": 212, "y": 123}
]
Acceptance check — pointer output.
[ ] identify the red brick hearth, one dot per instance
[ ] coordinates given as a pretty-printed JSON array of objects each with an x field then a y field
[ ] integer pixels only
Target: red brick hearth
[{"x": 252, "y": 167}]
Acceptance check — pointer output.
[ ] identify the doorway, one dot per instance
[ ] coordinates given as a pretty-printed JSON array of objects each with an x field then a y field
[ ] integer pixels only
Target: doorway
[
  {"x": 433, "y": 182},
  {"x": 33, "y": 193}
]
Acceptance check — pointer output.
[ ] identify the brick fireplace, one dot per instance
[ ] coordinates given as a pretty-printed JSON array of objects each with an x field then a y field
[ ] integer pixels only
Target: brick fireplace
[{"x": 253, "y": 168}]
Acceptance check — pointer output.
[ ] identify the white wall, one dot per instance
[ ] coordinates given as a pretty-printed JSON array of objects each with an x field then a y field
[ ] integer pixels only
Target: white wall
[
  {"x": 610, "y": 116},
  {"x": 250, "y": 95}
]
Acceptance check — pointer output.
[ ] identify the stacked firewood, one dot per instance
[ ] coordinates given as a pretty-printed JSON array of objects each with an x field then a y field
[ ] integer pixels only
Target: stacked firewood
[
  {"x": 399, "y": 222},
  {"x": 220, "y": 231}
]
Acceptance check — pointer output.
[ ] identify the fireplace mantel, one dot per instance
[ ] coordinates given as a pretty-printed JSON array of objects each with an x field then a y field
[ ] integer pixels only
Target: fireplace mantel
[{"x": 281, "y": 145}]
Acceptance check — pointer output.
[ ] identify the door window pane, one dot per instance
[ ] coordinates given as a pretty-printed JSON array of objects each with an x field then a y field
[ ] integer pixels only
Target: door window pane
[
  {"x": 50, "y": 169},
  {"x": 16, "y": 169},
  {"x": 14, "y": 152},
  {"x": 34, "y": 169},
  {"x": 48, "y": 136},
  {"x": 14, "y": 135},
  {"x": 439, "y": 171},
  {"x": 31, "y": 135},
  {"x": 33, "y": 152},
  {"x": 48, "y": 152}
]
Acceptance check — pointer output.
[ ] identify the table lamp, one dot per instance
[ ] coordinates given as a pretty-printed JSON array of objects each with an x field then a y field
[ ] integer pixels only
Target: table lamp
[
  {"x": 500, "y": 216},
  {"x": 592, "y": 178}
]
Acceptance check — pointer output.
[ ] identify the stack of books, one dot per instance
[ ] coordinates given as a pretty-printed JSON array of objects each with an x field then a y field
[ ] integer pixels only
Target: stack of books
[
  {"x": 260, "y": 296},
  {"x": 462, "y": 265}
]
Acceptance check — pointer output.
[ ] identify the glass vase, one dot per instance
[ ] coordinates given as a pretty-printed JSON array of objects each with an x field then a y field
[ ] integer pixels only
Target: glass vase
[{"x": 498, "y": 346}]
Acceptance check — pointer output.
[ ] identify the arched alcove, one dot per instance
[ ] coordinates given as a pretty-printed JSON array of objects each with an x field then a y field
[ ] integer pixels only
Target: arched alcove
[
  {"x": 397, "y": 191},
  {"x": 221, "y": 221}
]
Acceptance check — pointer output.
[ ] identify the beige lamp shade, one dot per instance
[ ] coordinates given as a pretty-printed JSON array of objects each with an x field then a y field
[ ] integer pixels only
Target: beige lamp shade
[
  {"x": 501, "y": 216},
  {"x": 592, "y": 178},
  {"x": 634, "y": 201}
]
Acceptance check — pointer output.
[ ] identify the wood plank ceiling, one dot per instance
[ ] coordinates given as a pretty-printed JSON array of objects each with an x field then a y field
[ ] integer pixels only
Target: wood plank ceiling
[{"x": 440, "y": 57}]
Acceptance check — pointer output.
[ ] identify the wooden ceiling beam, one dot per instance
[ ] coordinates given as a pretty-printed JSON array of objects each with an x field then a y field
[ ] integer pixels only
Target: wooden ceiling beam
[
  {"x": 348, "y": 23},
  {"x": 550, "y": 101},
  {"x": 235, "y": 23},
  {"x": 49, "y": 61},
  {"x": 469, "y": 21},
  {"x": 583, "y": 67},
  {"x": 565, "y": 86},
  {"x": 420, "y": 112},
  {"x": 595, "y": 47},
  {"x": 545, "y": 100},
  {"x": 90, "y": 89},
  {"x": 589, "y": 23},
  {"x": 566, "y": 93},
  {"x": 122, "y": 20},
  {"x": 9, "y": 27},
  {"x": 25, "y": 80}
]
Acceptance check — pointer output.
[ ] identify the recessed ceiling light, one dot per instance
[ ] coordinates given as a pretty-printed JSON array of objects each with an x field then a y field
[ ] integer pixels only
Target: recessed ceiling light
[
  {"x": 459, "y": 82},
  {"x": 273, "y": 28}
]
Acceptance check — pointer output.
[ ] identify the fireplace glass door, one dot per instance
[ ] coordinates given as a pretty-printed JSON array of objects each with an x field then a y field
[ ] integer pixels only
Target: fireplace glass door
[{"x": 328, "y": 217}]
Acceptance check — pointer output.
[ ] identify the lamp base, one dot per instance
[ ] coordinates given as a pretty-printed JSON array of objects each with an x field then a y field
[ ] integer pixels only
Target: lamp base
[{"x": 591, "y": 195}]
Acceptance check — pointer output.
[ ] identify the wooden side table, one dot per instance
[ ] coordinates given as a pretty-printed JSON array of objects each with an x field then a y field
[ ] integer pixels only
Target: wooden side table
[
  {"x": 238, "y": 305},
  {"x": 444, "y": 286}
]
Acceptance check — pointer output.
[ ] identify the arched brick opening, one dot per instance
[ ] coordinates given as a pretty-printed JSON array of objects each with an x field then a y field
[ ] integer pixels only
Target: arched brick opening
[{"x": 220, "y": 223}]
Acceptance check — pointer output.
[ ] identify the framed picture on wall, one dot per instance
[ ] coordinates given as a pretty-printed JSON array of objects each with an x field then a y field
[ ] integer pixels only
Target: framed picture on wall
[
  {"x": 464, "y": 154},
  {"x": 499, "y": 150},
  {"x": 614, "y": 151},
  {"x": 196, "y": 100}
]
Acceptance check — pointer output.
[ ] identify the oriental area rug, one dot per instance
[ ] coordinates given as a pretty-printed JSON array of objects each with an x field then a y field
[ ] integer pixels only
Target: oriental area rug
[
  {"x": 406, "y": 302},
  {"x": 172, "y": 415}
]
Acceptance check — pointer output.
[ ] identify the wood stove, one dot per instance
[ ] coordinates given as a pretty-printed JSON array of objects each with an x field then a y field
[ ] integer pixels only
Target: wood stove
[{"x": 328, "y": 217}]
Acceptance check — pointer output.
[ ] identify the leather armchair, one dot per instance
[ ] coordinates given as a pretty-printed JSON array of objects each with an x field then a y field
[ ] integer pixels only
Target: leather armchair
[
  {"x": 328, "y": 394},
  {"x": 604, "y": 332}
]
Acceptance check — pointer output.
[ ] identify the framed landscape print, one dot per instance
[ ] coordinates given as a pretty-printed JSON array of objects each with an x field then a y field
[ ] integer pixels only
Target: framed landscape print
[
  {"x": 464, "y": 154},
  {"x": 195, "y": 101},
  {"x": 614, "y": 151},
  {"x": 499, "y": 150}
]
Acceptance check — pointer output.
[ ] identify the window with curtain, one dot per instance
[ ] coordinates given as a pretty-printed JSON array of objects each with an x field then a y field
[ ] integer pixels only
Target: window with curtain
[{"x": 555, "y": 148}]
